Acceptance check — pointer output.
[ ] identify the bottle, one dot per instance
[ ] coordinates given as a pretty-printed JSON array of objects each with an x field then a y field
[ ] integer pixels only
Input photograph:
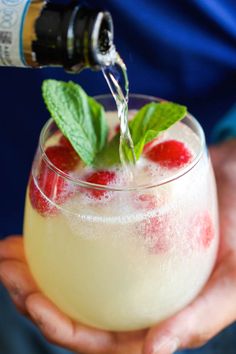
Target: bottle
[{"x": 37, "y": 33}]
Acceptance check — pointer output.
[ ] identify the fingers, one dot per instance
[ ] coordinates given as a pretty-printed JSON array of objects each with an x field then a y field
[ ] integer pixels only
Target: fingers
[
  {"x": 17, "y": 279},
  {"x": 223, "y": 159},
  {"x": 12, "y": 248},
  {"x": 57, "y": 327},
  {"x": 216, "y": 155},
  {"x": 63, "y": 331},
  {"x": 14, "y": 272},
  {"x": 212, "y": 311}
]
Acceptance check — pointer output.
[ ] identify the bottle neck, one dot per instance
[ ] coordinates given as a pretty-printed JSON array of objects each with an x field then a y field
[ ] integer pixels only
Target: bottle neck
[{"x": 72, "y": 36}]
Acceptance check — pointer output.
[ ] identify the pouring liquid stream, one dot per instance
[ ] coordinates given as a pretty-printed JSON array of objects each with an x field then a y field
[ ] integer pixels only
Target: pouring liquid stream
[{"x": 111, "y": 74}]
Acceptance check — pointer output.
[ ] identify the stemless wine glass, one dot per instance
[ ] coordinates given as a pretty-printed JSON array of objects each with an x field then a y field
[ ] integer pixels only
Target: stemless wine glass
[{"x": 122, "y": 258}]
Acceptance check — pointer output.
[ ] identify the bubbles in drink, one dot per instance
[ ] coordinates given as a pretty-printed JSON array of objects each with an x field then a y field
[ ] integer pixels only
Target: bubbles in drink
[{"x": 139, "y": 250}]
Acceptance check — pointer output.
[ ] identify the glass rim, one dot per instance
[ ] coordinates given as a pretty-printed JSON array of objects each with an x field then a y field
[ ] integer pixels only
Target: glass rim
[{"x": 146, "y": 186}]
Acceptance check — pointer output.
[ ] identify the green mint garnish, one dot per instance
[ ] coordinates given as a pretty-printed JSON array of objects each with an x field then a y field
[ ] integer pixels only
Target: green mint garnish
[
  {"x": 80, "y": 118},
  {"x": 147, "y": 124},
  {"x": 109, "y": 156},
  {"x": 151, "y": 120}
]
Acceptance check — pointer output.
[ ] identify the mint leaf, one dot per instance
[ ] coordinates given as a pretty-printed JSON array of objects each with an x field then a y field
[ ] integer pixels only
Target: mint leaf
[
  {"x": 80, "y": 118},
  {"x": 99, "y": 122},
  {"x": 109, "y": 156},
  {"x": 151, "y": 120},
  {"x": 146, "y": 125}
]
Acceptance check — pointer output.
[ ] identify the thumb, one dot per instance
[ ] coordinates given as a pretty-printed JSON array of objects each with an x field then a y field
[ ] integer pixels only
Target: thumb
[{"x": 212, "y": 310}]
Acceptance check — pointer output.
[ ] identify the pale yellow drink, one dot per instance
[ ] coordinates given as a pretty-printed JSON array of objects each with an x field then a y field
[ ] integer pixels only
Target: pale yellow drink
[{"x": 135, "y": 257}]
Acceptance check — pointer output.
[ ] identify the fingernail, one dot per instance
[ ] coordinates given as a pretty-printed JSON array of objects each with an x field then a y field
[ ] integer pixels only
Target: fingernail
[{"x": 166, "y": 345}]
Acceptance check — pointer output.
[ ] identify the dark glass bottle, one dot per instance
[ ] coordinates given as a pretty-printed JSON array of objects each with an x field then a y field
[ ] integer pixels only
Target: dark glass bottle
[{"x": 38, "y": 33}]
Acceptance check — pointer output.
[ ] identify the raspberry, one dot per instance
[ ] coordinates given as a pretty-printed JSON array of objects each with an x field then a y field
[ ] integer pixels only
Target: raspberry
[
  {"x": 170, "y": 153},
  {"x": 52, "y": 189},
  {"x": 149, "y": 145},
  {"x": 64, "y": 158},
  {"x": 66, "y": 143},
  {"x": 146, "y": 202},
  {"x": 117, "y": 128},
  {"x": 151, "y": 229},
  {"x": 202, "y": 229},
  {"x": 63, "y": 141},
  {"x": 103, "y": 178}
]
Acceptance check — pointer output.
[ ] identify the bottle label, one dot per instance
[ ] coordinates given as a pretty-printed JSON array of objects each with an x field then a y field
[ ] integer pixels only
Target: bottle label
[{"x": 12, "y": 16}]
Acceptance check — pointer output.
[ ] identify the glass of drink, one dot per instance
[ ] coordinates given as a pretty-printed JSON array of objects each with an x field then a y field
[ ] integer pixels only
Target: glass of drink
[{"x": 122, "y": 250}]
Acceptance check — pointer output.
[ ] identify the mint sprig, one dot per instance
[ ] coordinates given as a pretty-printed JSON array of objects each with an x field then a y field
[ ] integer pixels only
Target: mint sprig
[
  {"x": 80, "y": 118},
  {"x": 147, "y": 124},
  {"x": 151, "y": 120}
]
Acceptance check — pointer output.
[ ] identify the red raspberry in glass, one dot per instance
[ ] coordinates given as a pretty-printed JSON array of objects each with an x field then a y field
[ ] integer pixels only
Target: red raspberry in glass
[
  {"x": 170, "y": 153},
  {"x": 64, "y": 158},
  {"x": 202, "y": 230},
  {"x": 103, "y": 178},
  {"x": 47, "y": 191},
  {"x": 49, "y": 187},
  {"x": 152, "y": 231}
]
